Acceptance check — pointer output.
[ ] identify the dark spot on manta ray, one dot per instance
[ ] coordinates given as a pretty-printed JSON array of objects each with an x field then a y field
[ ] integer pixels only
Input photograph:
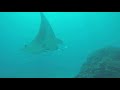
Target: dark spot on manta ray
[{"x": 25, "y": 45}]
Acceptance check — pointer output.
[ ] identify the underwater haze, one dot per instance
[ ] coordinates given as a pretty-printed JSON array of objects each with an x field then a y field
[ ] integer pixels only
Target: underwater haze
[{"x": 81, "y": 33}]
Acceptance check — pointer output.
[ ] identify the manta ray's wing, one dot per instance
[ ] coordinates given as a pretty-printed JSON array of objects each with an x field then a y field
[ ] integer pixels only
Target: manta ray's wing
[{"x": 45, "y": 39}]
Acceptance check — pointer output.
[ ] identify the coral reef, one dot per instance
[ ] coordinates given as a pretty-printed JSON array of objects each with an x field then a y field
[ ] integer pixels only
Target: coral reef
[{"x": 103, "y": 63}]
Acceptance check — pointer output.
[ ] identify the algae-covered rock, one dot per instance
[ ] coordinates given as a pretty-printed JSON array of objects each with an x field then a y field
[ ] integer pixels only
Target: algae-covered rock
[{"x": 103, "y": 63}]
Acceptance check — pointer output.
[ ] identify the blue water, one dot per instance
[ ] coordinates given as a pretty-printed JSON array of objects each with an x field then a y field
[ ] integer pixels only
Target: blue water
[{"x": 81, "y": 32}]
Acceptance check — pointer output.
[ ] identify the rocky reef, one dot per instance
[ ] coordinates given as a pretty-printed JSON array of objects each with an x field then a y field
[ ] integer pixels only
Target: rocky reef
[{"x": 103, "y": 63}]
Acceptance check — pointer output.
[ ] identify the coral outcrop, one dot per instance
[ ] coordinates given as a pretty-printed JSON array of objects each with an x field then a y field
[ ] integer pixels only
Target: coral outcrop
[{"x": 103, "y": 63}]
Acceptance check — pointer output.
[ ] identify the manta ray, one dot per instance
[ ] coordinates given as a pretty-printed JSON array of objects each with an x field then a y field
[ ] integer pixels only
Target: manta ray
[{"x": 45, "y": 40}]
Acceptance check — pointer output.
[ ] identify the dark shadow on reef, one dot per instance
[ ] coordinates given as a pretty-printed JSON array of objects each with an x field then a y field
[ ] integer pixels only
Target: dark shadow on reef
[{"x": 103, "y": 63}]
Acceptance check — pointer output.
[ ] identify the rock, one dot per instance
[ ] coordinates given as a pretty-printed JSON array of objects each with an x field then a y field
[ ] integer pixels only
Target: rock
[{"x": 103, "y": 63}]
